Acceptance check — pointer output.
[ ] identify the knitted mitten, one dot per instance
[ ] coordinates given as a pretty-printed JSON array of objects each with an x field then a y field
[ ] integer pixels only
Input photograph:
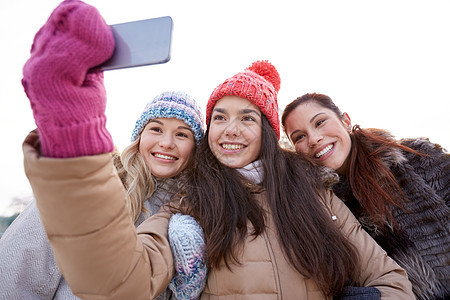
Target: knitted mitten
[
  {"x": 188, "y": 243},
  {"x": 68, "y": 99}
]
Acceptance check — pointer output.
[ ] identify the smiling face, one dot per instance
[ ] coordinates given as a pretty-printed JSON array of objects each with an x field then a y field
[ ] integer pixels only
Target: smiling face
[
  {"x": 235, "y": 131},
  {"x": 167, "y": 146},
  {"x": 320, "y": 134}
]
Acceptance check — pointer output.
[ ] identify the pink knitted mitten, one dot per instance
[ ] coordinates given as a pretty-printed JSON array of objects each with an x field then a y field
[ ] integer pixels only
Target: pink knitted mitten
[{"x": 68, "y": 99}]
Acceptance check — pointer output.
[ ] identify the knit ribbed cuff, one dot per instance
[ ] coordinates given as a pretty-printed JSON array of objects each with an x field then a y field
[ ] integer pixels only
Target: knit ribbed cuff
[{"x": 73, "y": 140}]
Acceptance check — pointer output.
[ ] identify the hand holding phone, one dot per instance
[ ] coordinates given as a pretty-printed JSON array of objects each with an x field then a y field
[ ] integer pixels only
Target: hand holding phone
[{"x": 140, "y": 43}]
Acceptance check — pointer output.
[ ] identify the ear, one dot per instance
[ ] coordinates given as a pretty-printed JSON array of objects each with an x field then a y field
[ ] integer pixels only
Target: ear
[{"x": 347, "y": 122}]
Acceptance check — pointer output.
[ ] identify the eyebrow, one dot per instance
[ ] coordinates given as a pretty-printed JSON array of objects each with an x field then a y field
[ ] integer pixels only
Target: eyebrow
[
  {"x": 184, "y": 127},
  {"x": 241, "y": 112},
  {"x": 293, "y": 132},
  {"x": 315, "y": 116},
  {"x": 156, "y": 121},
  {"x": 310, "y": 121},
  {"x": 161, "y": 123},
  {"x": 249, "y": 111}
]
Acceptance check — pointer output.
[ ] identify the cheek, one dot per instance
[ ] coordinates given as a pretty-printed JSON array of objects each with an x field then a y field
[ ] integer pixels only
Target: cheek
[
  {"x": 146, "y": 142},
  {"x": 212, "y": 135},
  {"x": 141, "y": 147},
  {"x": 186, "y": 151},
  {"x": 347, "y": 142},
  {"x": 252, "y": 133},
  {"x": 301, "y": 149},
  {"x": 256, "y": 145},
  {"x": 209, "y": 137}
]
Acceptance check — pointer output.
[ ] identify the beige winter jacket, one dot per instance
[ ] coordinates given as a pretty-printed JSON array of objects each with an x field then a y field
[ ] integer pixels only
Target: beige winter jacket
[{"x": 83, "y": 209}]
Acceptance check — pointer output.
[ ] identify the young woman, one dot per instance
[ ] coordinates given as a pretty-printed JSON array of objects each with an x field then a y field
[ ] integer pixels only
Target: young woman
[
  {"x": 163, "y": 144},
  {"x": 272, "y": 230},
  {"x": 398, "y": 190}
]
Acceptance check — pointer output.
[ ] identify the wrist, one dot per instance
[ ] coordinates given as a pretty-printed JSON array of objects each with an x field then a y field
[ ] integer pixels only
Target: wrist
[{"x": 89, "y": 137}]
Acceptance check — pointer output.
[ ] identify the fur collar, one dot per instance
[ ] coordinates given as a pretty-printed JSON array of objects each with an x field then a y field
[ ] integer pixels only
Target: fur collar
[{"x": 392, "y": 156}]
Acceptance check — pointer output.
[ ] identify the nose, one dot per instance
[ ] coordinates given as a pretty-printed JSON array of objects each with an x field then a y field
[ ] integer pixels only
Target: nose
[
  {"x": 314, "y": 138},
  {"x": 166, "y": 142},
  {"x": 233, "y": 129}
]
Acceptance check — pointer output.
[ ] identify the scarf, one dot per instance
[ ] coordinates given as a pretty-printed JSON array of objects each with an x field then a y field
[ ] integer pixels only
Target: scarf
[{"x": 253, "y": 172}]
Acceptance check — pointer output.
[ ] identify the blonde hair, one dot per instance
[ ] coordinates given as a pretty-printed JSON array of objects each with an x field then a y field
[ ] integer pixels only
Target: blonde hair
[{"x": 136, "y": 177}]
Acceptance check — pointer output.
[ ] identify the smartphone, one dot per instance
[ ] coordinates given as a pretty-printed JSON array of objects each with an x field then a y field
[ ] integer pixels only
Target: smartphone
[{"x": 140, "y": 43}]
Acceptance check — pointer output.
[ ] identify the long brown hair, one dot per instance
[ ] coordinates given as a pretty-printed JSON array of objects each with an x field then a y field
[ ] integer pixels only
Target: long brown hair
[
  {"x": 217, "y": 197},
  {"x": 371, "y": 181}
]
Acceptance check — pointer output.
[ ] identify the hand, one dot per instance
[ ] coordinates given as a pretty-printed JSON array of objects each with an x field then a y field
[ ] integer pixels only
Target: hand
[
  {"x": 67, "y": 96},
  {"x": 187, "y": 242}
]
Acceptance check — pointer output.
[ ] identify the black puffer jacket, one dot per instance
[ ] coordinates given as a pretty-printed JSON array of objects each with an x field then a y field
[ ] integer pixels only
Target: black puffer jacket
[{"x": 422, "y": 244}]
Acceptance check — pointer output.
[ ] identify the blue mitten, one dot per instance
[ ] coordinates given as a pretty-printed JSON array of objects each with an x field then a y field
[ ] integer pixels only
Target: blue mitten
[{"x": 188, "y": 247}]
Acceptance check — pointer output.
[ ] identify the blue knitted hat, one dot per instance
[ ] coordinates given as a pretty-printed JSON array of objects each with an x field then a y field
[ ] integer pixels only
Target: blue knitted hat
[{"x": 172, "y": 105}]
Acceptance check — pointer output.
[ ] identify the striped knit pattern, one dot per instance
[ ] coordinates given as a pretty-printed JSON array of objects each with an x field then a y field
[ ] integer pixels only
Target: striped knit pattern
[
  {"x": 172, "y": 105},
  {"x": 187, "y": 242}
]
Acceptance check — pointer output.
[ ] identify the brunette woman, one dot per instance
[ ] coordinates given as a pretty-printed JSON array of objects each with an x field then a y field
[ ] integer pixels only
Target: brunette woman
[{"x": 398, "y": 190}]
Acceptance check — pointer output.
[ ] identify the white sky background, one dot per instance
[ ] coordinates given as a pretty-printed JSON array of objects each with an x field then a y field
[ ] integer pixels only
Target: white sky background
[{"x": 385, "y": 62}]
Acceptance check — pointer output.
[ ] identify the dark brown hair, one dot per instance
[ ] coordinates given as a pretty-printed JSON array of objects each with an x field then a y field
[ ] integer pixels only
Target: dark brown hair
[
  {"x": 371, "y": 181},
  {"x": 218, "y": 198}
]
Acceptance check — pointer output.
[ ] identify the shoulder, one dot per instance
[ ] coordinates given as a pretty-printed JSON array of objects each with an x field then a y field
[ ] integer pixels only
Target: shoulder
[
  {"x": 26, "y": 228},
  {"x": 433, "y": 166},
  {"x": 26, "y": 240},
  {"x": 423, "y": 145},
  {"x": 393, "y": 156},
  {"x": 327, "y": 176},
  {"x": 27, "y": 258},
  {"x": 434, "y": 155},
  {"x": 383, "y": 144},
  {"x": 340, "y": 212}
]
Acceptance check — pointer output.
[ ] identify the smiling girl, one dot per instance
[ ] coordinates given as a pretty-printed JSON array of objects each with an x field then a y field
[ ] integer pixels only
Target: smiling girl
[
  {"x": 398, "y": 190},
  {"x": 163, "y": 144},
  {"x": 271, "y": 226}
]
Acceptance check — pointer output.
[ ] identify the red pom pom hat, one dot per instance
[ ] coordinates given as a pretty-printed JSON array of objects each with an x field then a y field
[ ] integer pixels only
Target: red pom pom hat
[{"x": 259, "y": 83}]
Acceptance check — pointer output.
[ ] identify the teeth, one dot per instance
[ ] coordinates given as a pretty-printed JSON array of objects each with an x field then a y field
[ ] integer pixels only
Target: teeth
[
  {"x": 164, "y": 156},
  {"x": 232, "y": 146},
  {"x": 324, "y": 151}
]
